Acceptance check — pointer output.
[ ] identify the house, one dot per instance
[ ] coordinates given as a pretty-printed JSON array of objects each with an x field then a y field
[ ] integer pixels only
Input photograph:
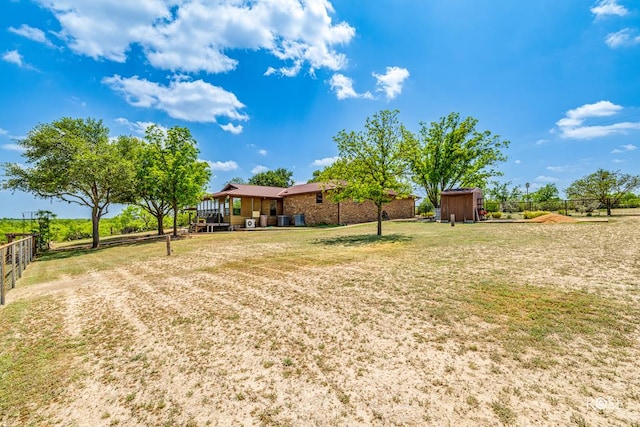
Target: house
[
  {"x": 236, "y": 203},
  {"x": 465, "y": 203}
]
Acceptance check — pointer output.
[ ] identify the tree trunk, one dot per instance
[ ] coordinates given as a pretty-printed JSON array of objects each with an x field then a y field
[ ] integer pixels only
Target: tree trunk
[
  {"x": 608, "y": 207},
  {"x": 175, "y": 221},
  {"x": 379, "y": 220},
  {"x": 95, "y": 222},
  {"x": 160, "y": 219}
]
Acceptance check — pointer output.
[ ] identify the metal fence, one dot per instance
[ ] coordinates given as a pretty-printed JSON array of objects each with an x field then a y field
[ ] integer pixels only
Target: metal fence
[
  {"x": 570, "y": 206},
  {"x": 14, "y": 258}
]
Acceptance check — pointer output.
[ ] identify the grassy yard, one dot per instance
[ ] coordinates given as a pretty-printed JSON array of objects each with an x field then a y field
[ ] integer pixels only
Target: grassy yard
[{"x": 478, "y": 324}]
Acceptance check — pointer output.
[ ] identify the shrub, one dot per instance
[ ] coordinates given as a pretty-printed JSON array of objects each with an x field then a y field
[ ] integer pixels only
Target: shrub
[
  {"x": 496, "y": 215},
  {"x": 534, "y": 214}
]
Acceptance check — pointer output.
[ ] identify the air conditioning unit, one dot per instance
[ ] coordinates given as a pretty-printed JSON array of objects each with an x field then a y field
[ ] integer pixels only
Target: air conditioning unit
[{"x": 250, "y": 223}]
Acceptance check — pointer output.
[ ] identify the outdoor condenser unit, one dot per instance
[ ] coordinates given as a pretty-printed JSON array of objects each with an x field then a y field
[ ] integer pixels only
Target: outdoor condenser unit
[{"x": 250, "y": 223}]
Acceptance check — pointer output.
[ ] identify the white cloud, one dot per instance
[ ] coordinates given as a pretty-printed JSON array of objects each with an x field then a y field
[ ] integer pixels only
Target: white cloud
[
  {"x": 327, "y": 161},
  {"x": 623, "y": 38},
  {"x": 342, "y": 86},
  {"x": 13, "y": 147},
  {"x": 4, "y": 132},
  {"x": 517, "y": 162},
  {"x": 138, "y": 127},
  {"x": 231, "y": 128},
  {"x": 618, "y": 160},
  {"x": 262, "y": 152},
  {"x": 391, "y": 82},
  {"x": 199, "y": 35},
  {"x": 541, "y": 141},
  {"x": 542, "y": 178},
  {"x": 31, "y": 33},
  {"x": 14, "y": 57},
  {"x": 608, "y": 7},
  {"x": 194, "y": 101},
  {"x": 227, "y": 166},
  {"x": 259, "y": 169},
  {"x": 572, "y": 125},
  {"x": 624, "y": 148}
]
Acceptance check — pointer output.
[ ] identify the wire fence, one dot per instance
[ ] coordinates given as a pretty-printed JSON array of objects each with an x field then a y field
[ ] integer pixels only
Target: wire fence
[
  {"x": 629, "y": 206},
  {"x": 14, "y": 258}
]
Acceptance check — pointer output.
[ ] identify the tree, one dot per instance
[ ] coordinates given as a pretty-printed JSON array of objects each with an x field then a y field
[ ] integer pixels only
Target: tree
[
  {"x": 450, "y": 153},
  {"x": 150, "y": 173},
  {"x": 180, "y": 177},
  {"x": 370, "y": 165},
  {"x": 605, "y": 186},
  {"x": 546, "y": 193},
  {"x": 315, "y": 176},
  {"x": 280, "y": 177},
  {"x": 236, "y": 180},
  {"x": 75, "y": 161},
  {"x": 506, "y": 195}
]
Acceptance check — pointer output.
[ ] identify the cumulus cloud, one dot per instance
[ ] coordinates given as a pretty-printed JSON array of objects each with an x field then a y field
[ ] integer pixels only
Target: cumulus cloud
[
  {"x": 14, "y": 57},
  {"x": 198, "y": 35},
  {"x": 391, "y": 82},
  {"x": 227, "y": 166},
  {"x": 262, "y": 152},
  {"x": 326, "y": 161},
  {"x": 624, "y": 148},
  {"x": 138, "y": 127},
  {"x": 342, "y": 86},
  {"x": 543, "y": 178},
  {"x": 194, "y": 101},
  {"x": 623, "y": 38},
  {"x": 13, "y": 147},
  {"x": 572, "y": 125},
  {"x": 231, "y": 128},
  {"x": 31, "y": 33},
  {"x": 259, "y": 169},
  {"x": 608, "y": 8}
]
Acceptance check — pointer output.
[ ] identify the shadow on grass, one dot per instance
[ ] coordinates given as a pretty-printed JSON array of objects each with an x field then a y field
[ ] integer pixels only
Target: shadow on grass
[
  {"x": 71, "y": 252},
  {"x": 361, "y": 240}
]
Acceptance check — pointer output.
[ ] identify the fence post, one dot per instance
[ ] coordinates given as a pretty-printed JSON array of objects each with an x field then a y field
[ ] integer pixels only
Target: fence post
[
  {"x": 2, "y": 259},
  {"x": 168, "y": 244},
  {"x": 566, "y": 212},
  {"x": 20, "y": 259},
  {"x": 13, "y": 266},
  {"x": 453, "y": 220}
]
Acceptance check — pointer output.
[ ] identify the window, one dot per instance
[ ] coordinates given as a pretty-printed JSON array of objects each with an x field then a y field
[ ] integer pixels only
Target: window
[
  {"x": 237, "y": 204},
  {"x": 318, "y": 197},
  {"x": 273, "y": 208}
]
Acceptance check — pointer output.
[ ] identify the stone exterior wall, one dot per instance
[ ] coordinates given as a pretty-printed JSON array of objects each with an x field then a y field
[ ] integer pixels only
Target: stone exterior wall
[
  {"x": 347, "y": 212},
  {"x": 314, "y": 213}
]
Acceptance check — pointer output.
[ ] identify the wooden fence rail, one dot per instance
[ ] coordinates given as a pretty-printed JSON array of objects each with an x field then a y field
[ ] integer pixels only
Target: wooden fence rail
[{"x": 14, "y": 258}]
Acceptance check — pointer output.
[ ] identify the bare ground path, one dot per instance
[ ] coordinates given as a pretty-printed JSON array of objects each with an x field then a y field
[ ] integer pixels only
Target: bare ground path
[{"x": 273, "y": 331}]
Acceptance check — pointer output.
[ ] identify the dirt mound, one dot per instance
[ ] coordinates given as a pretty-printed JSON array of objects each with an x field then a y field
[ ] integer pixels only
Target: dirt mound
[{"x": 552, "y": 218}]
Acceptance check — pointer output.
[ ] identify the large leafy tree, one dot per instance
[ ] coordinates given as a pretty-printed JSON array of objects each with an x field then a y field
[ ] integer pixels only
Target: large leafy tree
[
  {"x": 180, "y": 178},
  {"x": 75, "y": 161},
  {"x": 605, "y": 186},
  {"x": 280, "y": 177},
  {"x": 451, "y": 153},
  {"x": 150, "y": 178},
  {"x": 546, "y": 193},
  {"x": 370, "y": 165}
]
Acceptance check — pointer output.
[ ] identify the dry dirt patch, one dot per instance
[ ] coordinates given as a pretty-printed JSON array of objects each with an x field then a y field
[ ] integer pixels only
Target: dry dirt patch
[{"x": 523, "y": 324}]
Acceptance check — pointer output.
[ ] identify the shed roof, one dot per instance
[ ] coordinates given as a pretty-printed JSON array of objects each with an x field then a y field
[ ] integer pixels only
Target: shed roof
[
  {"x": 459, "y": 191},
  {"x": 246, "y": 190}
]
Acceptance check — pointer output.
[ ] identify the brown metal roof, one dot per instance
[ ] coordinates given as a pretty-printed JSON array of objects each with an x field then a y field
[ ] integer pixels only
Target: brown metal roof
[
  {"x": 246, "y": 190},
  {"x": 461, "y": 191},
  {"x": 312, "y": 187}
]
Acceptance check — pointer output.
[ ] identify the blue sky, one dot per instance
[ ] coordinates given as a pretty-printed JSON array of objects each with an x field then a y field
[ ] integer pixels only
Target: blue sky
[{"x": 264, "y": 84}]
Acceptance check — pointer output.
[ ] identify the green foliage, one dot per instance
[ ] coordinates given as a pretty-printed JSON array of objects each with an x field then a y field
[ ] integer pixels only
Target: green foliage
[
  {"x": 605, "y": 186},
  {"x": 370, "y": 164},
  {"x": 425, "y": 206},
  {"x": 546, "y": 193},
  {"x": 280, "y": 177},
  {"x": 43, "y": 229},
  {"x": 496, "y": 215},
  {"x": 450, "y": 153},
  {"x": 534, "y": 214},
  {"x": 75, "y": 161},
  {"x": 315, "y": 176},
  {"x": 179, "y": 178},
  {"x": 237, "y": 180}
]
